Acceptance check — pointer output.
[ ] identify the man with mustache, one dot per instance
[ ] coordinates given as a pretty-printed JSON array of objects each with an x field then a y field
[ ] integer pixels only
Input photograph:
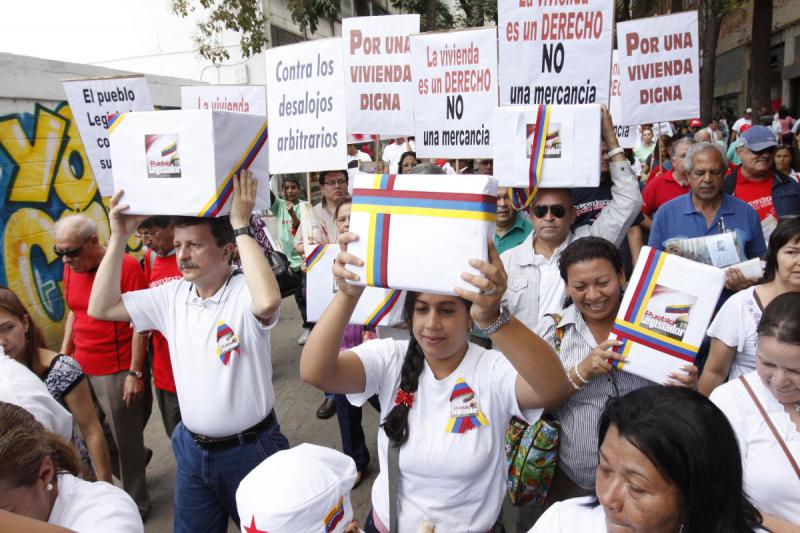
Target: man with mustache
[
  {"x": 217, "y": 322},
  {"x": 770, "y": 192}
]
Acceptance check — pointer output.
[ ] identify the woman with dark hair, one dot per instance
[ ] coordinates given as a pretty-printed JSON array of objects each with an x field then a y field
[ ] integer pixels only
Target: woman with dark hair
[
  {"x": 733, "y": 331},
  {"x": 764, "y": 409},
  {"x": 408, "y": 160},
  {"x": 668, "y": 464},
  {"x": 593, "y": 274},
  {"x": 445, "y": 403},
  {"x": 784, "y": 161},
  {"x": 63, "y": 376},
  {"x": 38, "y": 480}
]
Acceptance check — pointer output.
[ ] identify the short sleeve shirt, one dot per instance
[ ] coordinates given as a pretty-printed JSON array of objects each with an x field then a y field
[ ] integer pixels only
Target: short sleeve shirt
[
  {"x": 94, "y": 507},
  {"x": 572, "y": 515},
  {"x": 220, "y": 352},
  {"x": 736, "y": 326},
  {"x": 286, "y": 232},
  {"x": 163, "y": 270},
  {"x": 660, "y": 190},
  {"x": 63, "y": 375},
  {"x": 454, "y": 479}
]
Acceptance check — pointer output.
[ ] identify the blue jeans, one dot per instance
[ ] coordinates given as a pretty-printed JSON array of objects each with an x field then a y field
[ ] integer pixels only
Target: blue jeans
[{"x": 206, "y": 480}]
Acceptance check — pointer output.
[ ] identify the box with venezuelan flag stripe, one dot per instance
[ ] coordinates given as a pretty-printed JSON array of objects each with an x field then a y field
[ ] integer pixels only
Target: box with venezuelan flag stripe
[
  {"x": 183, "y": 162},
  {"x": 376, "y": 307},
  {"x": 418, "y": 232},
  {"x": 664, "y": 313}
]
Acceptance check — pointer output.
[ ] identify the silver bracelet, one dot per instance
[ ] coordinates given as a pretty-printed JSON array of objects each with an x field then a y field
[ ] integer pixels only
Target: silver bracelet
[
  {"x": 578, "y": 373},
  {"x": 571, "y": 381},
  {"x": 615, "y": 151}
]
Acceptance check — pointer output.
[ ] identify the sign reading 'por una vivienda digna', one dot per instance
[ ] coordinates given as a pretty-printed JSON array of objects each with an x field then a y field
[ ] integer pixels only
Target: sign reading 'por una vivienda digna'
[
  {"x": 305, "y": 107},
  {"x": 554, "y": 51},
  {"x": 378, "y": 83},
  {"x": 659, "y": 68}
]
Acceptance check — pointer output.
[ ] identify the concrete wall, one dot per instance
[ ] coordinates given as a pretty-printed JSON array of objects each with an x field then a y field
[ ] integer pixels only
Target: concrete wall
[{"x": 45, "y": 175}]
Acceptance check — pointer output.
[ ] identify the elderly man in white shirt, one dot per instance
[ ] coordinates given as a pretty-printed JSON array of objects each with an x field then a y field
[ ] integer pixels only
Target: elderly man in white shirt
[{"x": 535, "y": 287}]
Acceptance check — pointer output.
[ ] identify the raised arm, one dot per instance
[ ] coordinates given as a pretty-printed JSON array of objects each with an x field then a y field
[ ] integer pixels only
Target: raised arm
[
  {"x": 261, "y": 283},
  {"x": 321, "y": 363},
  {"x": 105, "y": 303}
]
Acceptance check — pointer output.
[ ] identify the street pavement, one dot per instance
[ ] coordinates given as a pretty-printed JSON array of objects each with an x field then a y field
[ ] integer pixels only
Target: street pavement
[{"x": 295, "y": 405}]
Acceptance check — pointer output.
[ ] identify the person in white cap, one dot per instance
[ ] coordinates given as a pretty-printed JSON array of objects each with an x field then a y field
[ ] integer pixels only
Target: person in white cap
[
  {"x": 746, "y": 119},
  {"x": 445, "y": 402},
  {"x": 313, "y": 495}
]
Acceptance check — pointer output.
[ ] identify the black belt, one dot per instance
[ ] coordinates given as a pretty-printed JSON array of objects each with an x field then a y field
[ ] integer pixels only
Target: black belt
[{"x": 249, "y": 434}]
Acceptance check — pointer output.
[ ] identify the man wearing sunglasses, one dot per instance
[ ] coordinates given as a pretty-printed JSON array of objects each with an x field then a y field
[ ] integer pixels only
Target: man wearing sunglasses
[
  {"x": 535, "y": 287},
  {"x": 771, "y": 193},
  {"x": 111, "y": 355}
]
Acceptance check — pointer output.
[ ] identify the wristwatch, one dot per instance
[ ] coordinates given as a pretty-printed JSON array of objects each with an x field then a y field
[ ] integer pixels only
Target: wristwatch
[
  {"x": 502, "y": 320},
  {"x": 244, "y": 230},
  {"x": 137, "y": 374}
]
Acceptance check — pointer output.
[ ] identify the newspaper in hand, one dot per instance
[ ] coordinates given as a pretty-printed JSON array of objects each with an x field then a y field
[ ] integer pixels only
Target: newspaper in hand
[{"x": 719, "y": 250}]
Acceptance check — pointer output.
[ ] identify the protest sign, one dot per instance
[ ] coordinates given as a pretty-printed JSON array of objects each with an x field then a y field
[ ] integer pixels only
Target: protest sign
[
  {"x": 238, "y": 98},
  {"x": 554, "y": 52},
  {"x": 627, "y": 134},
  {"x": 92, "y": 102},
  {"x": 571, "y": 150},
  {"x": 377, "y": 63},
  {"x": 305, "y": 107},
  {"x": 660, "y": 68},
  {"x": 455, "y": 91}
]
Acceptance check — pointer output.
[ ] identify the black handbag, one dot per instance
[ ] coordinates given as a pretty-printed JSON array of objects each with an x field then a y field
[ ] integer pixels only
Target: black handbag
[{"x": 288, "y": 280}]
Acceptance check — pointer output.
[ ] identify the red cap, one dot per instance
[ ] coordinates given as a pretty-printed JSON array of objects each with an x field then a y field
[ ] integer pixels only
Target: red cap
[{"x": 695, "y": 122}]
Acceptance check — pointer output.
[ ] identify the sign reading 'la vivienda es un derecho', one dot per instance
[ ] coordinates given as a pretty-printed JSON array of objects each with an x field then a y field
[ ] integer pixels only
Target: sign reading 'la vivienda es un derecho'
[
  {"x": 659, "y": 68},
  {"x": 94, "y": 103},
  {"x": 239, "y": 98},
  {"x": 455, "y": 92},
  {"x": 378, "y": 83},
  {"x": 554, "y": 51},
  {"x": 305, "y": 107}
]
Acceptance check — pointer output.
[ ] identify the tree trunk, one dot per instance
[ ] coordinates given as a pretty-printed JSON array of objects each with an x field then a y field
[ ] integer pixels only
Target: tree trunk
[
  {"x": 760, "y": 57},
  {"x": 710, "y": 20},
  {"x": 430, "y": 14}
]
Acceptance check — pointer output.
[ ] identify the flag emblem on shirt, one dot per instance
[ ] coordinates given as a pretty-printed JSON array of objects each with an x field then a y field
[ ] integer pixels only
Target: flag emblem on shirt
[
  {"x": 465, "y": 414},
  {"x": 334, "y": 516},
  {"x": 227, "y": 342}
]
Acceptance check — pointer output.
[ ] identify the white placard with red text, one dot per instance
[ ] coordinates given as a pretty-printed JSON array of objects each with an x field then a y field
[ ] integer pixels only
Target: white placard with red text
[
  {"x": 238, "y": 98},
  {"x": 377, "y": 62},
  {"x": 305, "y": 107},
  {"x": 554, "y": 52},
  {"x": 659, "y": 65},
  {"x": 627, "y": 134},
  {"x": 455, "y": 92},
  {"x": 92, "y": 102}
]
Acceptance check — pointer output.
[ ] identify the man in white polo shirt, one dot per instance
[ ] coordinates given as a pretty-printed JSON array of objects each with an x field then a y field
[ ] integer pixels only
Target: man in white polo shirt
[{"x": 216, "y": 321}]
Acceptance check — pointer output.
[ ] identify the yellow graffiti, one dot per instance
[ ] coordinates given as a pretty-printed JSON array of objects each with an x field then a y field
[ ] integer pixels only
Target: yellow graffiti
[{"x": 74, "y": 191}]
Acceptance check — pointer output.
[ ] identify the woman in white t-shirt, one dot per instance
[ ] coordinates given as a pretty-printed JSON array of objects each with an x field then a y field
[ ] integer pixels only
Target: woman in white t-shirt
[
  {"x": 764, "y": 410},
  {"x": 733, "y": 331},
  {"x": 668, "y": 464},
  {"x": 444, "y": 401},
  {"x": 38, "y": 483}
]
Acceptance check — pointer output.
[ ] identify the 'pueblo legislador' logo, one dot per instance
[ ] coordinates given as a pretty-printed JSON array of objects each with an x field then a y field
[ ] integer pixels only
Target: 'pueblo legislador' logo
[{"x": 161, "y": 152}]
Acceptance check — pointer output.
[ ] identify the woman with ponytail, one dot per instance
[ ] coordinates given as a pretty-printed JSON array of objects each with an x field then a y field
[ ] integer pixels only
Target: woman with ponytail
[
  {"x": 39, "y": 484},
  {"x": 444, "y": 401}
]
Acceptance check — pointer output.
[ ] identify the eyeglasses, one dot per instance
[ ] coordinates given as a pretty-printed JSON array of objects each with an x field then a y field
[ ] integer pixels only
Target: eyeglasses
[
  {"x": 558, "y": 210},
  {"x": 336, "y": 183},
  {"x": 73, "y": 253},
  {"x": 148, "y": 234}
]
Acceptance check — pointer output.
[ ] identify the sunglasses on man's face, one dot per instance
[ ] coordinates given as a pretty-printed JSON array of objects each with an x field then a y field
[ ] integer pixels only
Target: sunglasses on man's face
[
  {"x": 558, "y": 210},
  {"x": 72, "y": 254}
]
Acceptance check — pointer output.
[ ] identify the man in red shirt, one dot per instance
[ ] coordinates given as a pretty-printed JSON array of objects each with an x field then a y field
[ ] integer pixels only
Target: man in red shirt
[
  {"x": 111, "y": 355},
  {"x": 671, "y": 184},
  {"x": 160, "y": 266}
]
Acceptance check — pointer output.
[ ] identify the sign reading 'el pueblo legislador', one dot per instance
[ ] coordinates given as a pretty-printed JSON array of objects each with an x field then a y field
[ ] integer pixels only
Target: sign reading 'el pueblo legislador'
[
  {"x": 554, "y": 51},
  {"x": 455, "y": 92},
  {"x": 378, "y": 83},
  {"x": 93, "y": 102},
  {"x": 659, "y": 65},
  {"x": 239, "y": 98},
  {"x": 305, "y": 107}
]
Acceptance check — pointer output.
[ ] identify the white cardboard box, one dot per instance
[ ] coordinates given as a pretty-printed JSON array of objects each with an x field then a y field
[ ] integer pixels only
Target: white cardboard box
[
  {"x": 418, "y": 232},
  {"x": 572, "y": 153},
  {"x": 376, "y": 307},
  {"x": 183, "y": 162},
  {"x": 665, "y": 313}
]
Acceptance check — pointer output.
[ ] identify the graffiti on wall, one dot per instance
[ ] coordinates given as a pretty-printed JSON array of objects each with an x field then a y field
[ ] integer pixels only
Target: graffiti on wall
[{"x": 44, "y": 176}]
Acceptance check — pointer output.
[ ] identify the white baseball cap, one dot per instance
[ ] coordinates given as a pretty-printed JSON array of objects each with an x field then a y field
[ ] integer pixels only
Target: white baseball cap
[{"x": 303, "y": 489}]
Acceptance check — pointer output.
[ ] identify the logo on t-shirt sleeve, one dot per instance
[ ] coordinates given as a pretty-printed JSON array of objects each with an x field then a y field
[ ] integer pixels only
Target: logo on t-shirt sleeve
[{"x": 227, "y": 342}]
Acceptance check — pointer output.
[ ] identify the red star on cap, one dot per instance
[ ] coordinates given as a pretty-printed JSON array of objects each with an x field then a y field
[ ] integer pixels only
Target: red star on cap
[{"x": 253, "y": 528}]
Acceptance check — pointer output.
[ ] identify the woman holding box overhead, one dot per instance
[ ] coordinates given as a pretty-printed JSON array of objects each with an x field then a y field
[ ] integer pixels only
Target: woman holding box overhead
[
  {"x": 764, "y": 409},
  {"x": 733, "y": 331},
  {"x": 445, "y": 403}
]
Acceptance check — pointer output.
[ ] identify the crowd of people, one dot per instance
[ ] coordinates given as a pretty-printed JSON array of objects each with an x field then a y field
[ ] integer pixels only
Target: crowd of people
[{"x": 714, "y": 448}]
